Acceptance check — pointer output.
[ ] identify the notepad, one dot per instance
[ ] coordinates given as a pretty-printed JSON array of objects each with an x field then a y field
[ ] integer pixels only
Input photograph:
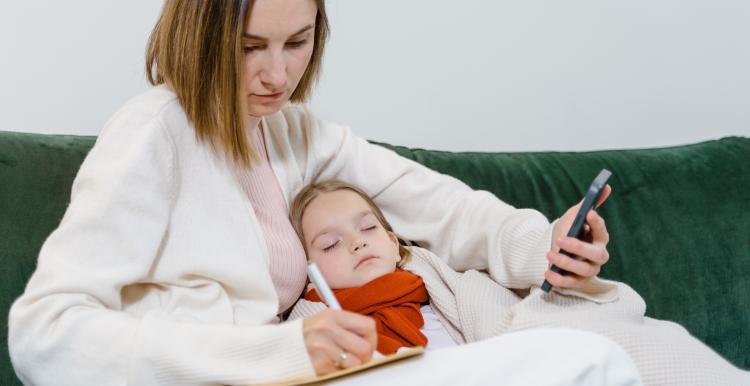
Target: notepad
[{"x": 374, "y": 362}]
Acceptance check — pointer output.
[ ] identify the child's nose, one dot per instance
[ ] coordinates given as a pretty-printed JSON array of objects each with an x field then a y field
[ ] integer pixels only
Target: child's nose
[{"x": 359, "y": 244}]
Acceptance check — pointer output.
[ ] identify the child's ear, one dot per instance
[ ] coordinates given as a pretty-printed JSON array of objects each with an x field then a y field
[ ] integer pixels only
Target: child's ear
[{"x": 393, "y": 238}]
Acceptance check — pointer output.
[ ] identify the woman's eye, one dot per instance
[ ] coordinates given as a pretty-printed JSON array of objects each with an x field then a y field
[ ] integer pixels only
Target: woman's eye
[
  {"x": 369, "y": 228},
  {"x": 296, "y": 44},
  {"x": 328, "y": 248},
  {"x": 250, "y": 49}
]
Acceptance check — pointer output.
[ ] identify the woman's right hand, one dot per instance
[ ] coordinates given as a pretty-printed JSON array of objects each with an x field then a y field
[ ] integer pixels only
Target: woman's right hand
[{"x": 339, "y": 339}]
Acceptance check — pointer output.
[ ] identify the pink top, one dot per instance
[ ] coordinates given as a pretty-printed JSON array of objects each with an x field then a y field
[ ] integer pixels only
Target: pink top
[{"x": 287, "y": 262}]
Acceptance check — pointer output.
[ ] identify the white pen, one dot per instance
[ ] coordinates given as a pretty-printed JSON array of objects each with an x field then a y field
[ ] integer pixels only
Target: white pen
[{"x": 322, "y": 286}]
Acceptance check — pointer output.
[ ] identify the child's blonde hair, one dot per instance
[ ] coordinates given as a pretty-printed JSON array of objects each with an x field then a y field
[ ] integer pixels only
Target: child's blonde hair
[{"x": 310, "y": 192}]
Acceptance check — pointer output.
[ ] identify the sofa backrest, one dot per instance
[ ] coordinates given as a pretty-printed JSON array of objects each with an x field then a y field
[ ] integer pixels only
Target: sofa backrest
[
  {"x": 678, "y": 218},
  {"x": 36, "y": 174}
]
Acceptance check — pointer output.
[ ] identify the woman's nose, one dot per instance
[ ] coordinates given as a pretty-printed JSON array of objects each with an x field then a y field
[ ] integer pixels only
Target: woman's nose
[{"x": 273, "y": 75}]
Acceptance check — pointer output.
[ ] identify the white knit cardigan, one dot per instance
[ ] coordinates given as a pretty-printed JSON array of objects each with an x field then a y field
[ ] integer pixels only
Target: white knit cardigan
[{"x": 157, "y": 273}]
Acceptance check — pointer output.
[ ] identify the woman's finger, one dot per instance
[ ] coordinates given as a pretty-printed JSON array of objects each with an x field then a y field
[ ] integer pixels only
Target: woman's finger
[
  {"x": 606, "y": 191},
  {"x": 595, "y": 253},
  {"x": 580, "y": 268},
  {"x": 598, "y": 228},
  {"x": 322, "y": 350},
  {"x": 355, "y": 335},
  {"x": 338, "y": 339},
  {"x": 361, "y": 325},
  {"x": 357, "y": 348},
  {"x": 567, "y": 281}
]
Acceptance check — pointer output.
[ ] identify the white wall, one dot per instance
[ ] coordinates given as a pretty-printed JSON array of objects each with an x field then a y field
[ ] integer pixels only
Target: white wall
[
  {"x": 456, "y": 75},
  {"x": 67, "y": 65}
]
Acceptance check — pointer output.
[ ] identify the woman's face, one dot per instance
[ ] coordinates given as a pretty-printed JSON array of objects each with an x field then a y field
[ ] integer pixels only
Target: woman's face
[
  {"x": 277, "y": 45},
  {"x": 346, "y": 241}
]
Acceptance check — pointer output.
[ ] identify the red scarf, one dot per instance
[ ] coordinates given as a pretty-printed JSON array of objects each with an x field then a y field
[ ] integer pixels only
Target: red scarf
[{"x": 393, "y": 300}]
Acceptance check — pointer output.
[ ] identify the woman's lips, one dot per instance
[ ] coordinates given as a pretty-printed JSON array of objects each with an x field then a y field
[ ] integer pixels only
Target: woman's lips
[
  {"x": 270, "y": 97},
  {"x": 364, "y": 260}
]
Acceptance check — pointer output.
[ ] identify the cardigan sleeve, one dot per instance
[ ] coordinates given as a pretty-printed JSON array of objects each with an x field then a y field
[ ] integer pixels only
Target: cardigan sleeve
[
  {"x": 470, "y": 229},
  {"x": 69, "y": 328}
]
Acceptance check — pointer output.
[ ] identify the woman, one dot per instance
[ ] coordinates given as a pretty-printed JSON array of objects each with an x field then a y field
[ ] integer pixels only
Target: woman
[{"x": 175, "y": 261}]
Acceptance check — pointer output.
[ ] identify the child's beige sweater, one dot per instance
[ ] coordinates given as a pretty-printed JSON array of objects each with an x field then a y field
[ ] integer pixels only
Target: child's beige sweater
[{"x": 472, "y": 306}]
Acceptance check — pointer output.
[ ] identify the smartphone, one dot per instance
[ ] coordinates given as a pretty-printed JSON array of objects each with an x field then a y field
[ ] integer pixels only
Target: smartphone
[{"x": 576, "y": 230}]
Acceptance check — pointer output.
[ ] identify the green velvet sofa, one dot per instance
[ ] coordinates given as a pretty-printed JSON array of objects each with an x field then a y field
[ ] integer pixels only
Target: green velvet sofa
[{"x": 679, "y": 219}]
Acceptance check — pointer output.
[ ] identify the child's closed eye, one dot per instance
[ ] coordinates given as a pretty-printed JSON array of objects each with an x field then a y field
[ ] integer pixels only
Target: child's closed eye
[{"x": 330, "y": 247}]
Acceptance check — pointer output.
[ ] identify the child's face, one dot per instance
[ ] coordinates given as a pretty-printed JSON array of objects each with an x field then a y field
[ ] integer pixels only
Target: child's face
[{"x": 346, "y": 241}]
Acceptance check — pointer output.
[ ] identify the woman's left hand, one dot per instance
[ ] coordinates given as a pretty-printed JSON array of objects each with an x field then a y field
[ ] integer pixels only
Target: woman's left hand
[{"x": 591, "y": 250}]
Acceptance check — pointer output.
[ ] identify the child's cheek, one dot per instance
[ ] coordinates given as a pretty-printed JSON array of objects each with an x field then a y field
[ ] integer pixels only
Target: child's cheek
[
  {"x": 343, "y": 277},
  {"x": 331, "y": 271}
]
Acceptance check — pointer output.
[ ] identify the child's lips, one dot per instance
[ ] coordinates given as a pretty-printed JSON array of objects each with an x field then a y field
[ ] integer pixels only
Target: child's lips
[{"x": 363, "y": 260}]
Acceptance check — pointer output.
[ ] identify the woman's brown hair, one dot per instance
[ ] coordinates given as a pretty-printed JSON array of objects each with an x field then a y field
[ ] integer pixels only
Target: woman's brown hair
[
  {"x": 195, "y": 48},
  {"x": 310, "y": 192}
]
